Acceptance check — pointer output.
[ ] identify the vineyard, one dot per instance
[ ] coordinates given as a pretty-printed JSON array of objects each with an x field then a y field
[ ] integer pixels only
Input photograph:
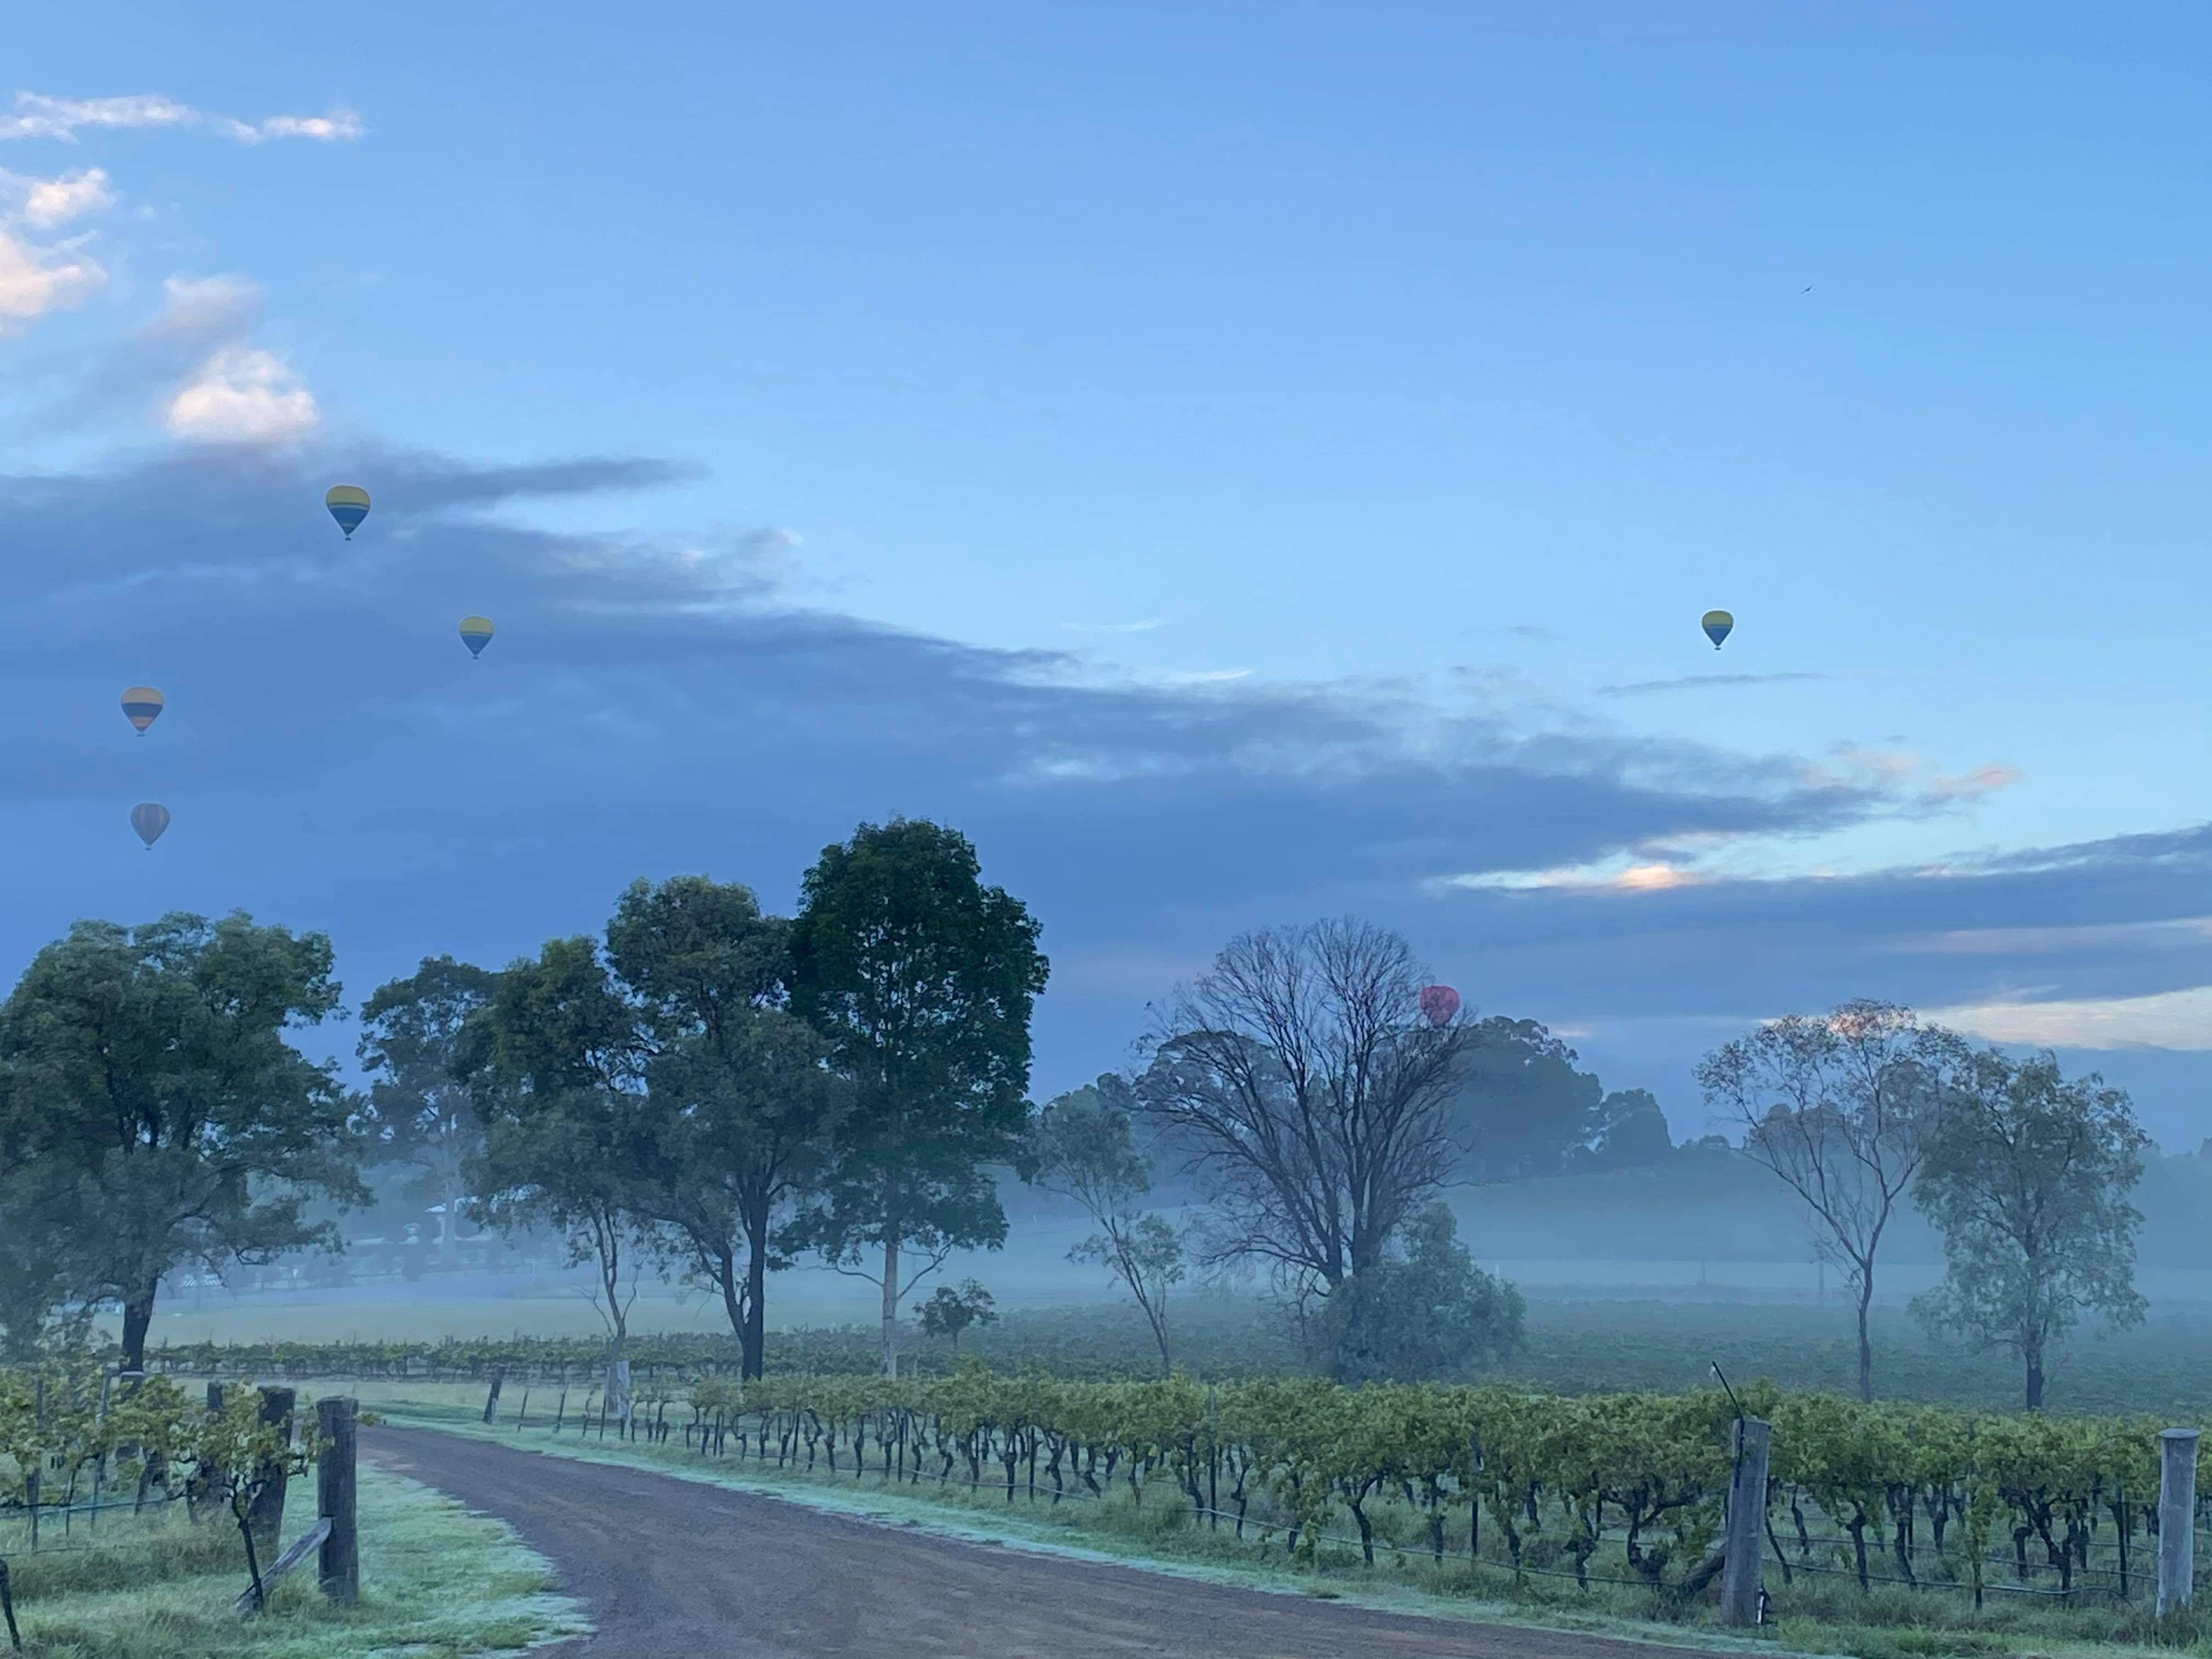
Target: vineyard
[{"x": 1619, "y": 1490}]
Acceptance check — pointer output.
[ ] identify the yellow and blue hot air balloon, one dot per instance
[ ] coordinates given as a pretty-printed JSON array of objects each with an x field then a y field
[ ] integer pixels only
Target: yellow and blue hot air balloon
[
  {"x": 142, "y": 707},
  {"x": 1716, "y": 625},
  {"x": 348, "y": 504},
  {"x": 476, "y": 634},
  {"x": 149, "y": 818}
]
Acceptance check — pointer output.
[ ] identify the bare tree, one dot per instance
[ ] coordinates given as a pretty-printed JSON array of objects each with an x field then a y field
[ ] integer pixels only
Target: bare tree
[
  {"x": 1840, "y": 1107},
  {"x": 1310, "y": 1092}
]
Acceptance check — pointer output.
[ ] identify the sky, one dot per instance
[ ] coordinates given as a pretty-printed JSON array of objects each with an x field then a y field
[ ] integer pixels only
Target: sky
[{"x": 1239, "y": 463}]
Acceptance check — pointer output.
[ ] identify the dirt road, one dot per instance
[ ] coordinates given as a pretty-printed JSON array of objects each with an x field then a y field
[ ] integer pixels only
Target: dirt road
[{"x": 669, "y": 1567}]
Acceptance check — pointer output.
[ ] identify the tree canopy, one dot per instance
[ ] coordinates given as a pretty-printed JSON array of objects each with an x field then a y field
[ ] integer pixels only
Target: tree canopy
[
  {"x": 150, "y": 1085},
  {"x": 2027, "y": 1174},
  {"x": 920, "y": 978}
]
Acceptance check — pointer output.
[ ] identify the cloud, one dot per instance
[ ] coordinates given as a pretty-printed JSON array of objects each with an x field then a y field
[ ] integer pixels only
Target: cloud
[
  {"x": 333, "y": 758},
  {"x": 1204, "y": 676},
  {"x": 1691, "y": 682},
  {"x": 1144, "y": 627},
  {"x": 773, "y": 540},
  {"x": 206, "y": 307},
  {"x": 40, "y": 116},
  {"x": 44, "y": 203},
  {"x": 35, "y": 280},
  {"x": 2169, "y": 1019},
  {"x": 1530, "y": 631},
  {"x": 242, "y": 395}
]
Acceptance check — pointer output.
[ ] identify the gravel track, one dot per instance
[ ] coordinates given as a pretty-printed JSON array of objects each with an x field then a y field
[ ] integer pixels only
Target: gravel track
[{"x": 670, "y": 1567}]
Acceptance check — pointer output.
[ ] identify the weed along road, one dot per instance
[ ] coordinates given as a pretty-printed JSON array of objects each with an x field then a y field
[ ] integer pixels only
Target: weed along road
[{"x": 665, "y": 1566}]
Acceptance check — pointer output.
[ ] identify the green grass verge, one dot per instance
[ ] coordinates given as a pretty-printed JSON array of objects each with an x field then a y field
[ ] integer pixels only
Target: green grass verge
[
  {"x": 1817, "y": 1616},
  {"x": 437, "y": 1583}
]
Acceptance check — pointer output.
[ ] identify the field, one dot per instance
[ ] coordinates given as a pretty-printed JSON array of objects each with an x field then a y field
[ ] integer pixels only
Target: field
[
  {"x": 436, "y": 1582},
  {"x": 1583, "y": 1345}
]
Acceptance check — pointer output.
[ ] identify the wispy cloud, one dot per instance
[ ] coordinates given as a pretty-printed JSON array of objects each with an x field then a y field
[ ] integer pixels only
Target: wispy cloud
[
  {"x": 1530, "y": 631},
  {"x": 2166, "y": 1019},
  {"x": 1691, "y": 682},
  {"x": 1144, "y": 627},
  {"x": 37, "y": 115}
]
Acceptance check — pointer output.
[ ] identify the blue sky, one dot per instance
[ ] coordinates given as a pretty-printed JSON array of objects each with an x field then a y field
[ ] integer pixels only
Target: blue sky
[{"x": 1238, "y": 462}]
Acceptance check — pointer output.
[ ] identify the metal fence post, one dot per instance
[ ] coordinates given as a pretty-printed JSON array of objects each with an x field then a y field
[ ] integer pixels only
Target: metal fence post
[
  {"x": 2177, "y": 1518},
  {"x": 339, "y": 1565},
  {"x": 1747, "y": 1510}
]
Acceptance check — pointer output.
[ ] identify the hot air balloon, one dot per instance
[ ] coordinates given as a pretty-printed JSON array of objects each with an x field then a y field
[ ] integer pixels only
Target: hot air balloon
[
  {"x": 476, "y": 634},
  {"x": 1439, "y": 1003},
  {"x": 348, "y": 504},
  {"x": 1716, "y": 625},
  {"x": 142, "y": 707},
  {"x": 150, "y": 819}
]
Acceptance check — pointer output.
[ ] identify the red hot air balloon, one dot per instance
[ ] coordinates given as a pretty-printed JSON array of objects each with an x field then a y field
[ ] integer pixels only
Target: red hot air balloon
[{"x": 1439, "y": 1003}]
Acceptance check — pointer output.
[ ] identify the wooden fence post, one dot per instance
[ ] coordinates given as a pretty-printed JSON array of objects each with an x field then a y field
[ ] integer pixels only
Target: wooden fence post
[
  {"x": 2177, "y": 1518},
  {"x": 1747, "y": 1512},
  {"x": 339, "y": 1566},
  {"x": 491, "y": 1400},
  {"x": 265, "y": 1515}
]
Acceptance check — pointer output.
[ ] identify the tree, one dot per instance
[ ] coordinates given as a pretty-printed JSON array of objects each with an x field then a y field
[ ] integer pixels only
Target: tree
[
  {"x": 922, "y": 979},
  {"x": 2028, "y": 1176},
  {"x": 1423, "y": 1313},
  {"x": 154, "y": 1099},
  {"x": 1519, "y": 1107},
  {"x": 948, "y": 1312},
  {"x": 418, "y": 1114},
  {"x": 1839, "y": 1109},
  {"x": 743, "y": 1101},
  {"x": 1083, "y": 1147},
  {"x": 1313, "y": 1094},
  {"x": 556, "y": 1064},
  {"x": 1632, "y": 1133}
]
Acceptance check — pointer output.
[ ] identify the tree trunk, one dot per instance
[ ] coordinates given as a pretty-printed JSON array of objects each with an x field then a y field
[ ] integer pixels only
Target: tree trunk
[
  {"x": 890, "y": 1303},
  {"x": 449, "y": 1237},
  {"x": 725, "y": 1275},
  {"x": 1866, "y": 1344},
  {"x": 754, "y": 1342},
  {"x": 137, "y": 1317},
  {"x": 2031, "y": 1351}
]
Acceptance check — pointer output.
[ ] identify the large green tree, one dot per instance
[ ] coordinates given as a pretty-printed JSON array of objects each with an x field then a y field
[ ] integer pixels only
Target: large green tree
[
  {"x": 922, "y": 979},
  {"x": 418, "y": 1115},
  {"x": 153, "y": 1100},
  {"x": 743, "y": 1101},
  {"x": 2027, "y": 1174}
]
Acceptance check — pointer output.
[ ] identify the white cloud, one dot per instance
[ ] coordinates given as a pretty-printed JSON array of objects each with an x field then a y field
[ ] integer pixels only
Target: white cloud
[
  {"x": 36, "y": 280},
  {"x": 46, "y": 202},
  {"x": 38, "y": 116},
  {"x": 1612, "y": 876},
  {"x": 242, "y": 395},
  {"x": 2169, "y": 1019}
]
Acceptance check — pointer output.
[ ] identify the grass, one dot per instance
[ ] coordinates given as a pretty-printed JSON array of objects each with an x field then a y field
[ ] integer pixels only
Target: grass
[
  {"x": 437, "y": 1583},
  {"x": 1813, "y": 1615}
]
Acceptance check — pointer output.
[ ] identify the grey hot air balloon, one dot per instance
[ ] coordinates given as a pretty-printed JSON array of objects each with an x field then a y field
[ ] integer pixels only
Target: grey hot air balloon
[{"x": 149, "y": 818}]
